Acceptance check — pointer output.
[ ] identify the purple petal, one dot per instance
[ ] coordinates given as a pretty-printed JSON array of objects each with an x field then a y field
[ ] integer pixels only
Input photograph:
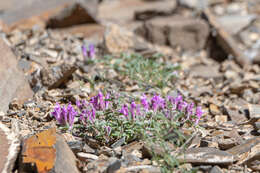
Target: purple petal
[{"x": 84, "y": 50}]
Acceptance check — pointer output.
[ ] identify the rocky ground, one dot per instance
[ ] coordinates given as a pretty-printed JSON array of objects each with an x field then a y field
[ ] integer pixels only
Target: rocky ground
[{"x": 205, "y": 51}]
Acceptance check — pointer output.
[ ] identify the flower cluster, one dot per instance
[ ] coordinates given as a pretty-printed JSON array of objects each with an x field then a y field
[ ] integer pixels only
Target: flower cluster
[
  {"x": 88, "y": 53},
  {"x": 64, "y": 115},
  {"x": 86, "y": 111},
  {"x": 167, "y": 106}
]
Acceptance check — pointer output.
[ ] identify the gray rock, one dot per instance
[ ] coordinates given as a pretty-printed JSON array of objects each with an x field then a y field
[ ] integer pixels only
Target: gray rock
[
  {"x": 245, "y": 147},
  {"x": 207, "y": 156},
  {"x": 235, "y": 23},
  {"x": 118, "y": 143},
  {"x": 88, "y": 149},
  {"x": 86, "y": 156},
  {"x": 77, "y": 13},
  {"x": 9, "y": 149},
  {"x": 114, "y": 165},
  {"x": 197, "y": 4},
  {"x": 188, "y": 33},
  {"x": 13, "y": 82},
  {"x": 55, "y": 76},
  {"x": 76, "y": 146},
  {"x": 215, "y": 169}
]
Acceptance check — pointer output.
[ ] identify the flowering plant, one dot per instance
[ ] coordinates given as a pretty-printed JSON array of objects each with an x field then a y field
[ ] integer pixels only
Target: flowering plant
[{"x": 115, "y": 118}]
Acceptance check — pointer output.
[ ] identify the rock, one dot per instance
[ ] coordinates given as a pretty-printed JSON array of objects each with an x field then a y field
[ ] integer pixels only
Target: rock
[
  {"x": 214, "y": 109},
  {"x": 197, "y": 4},
  {"x": 221, "y": 118},
  {"x": 129, "y": 148},
  {"x": 257, "y": 125},
  {"x": 75, "y": 146},
  {"x": 65, "y": 159},
  {"x": 9, "y": 149},
  {"x": 254, "y": 111},
  {"x": 205, "y": 71},
  {"x": 117, "y": 40},
  {"x": 118, "y": 151},
  {"x": 99, "y": 165},
  {"x": 123, "y": 12},
  {"x": 85, "y": 156},
  {"x": 188, "y": 33},
  {"x": 55, "y": 76},
  {"x": 252, "y": 159},
  {"x": 118, "y": 143},
  {"x": 106, "y": 151},
  {"x": 141, "y": 168},
  {"x": 88, "y": 149},
  {"x": 13, "y": 83},
  {"x": 204, "y": 168},
  {"x": 150, "y": 148},
  {"x": 114, "y": 165},
  {"x": 225, "y": 144},
  {"x": 91, "y": 142},
  {"x": 236, "y": 116},
  {"x": 216, "y": 169},
  {"x": 47, "y": 151},
  {"x": 225, "y": 41},
  {"x": 245, "y": 147},
  {"x": 77, "y": 13},
  {"x": 93, "y": 32},
  {"x": 235, "y": 23},
  {"x": 40, "y": 13},
  {"x": 207, "y": 155}
]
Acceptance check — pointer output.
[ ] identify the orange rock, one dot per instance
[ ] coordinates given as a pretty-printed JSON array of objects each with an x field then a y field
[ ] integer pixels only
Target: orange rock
[
  {"x": 47, "y": 152},
  {"x": 39, "y": 149}
]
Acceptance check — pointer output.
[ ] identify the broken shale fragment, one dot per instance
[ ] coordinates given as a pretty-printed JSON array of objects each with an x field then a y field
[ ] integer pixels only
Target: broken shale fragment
[
  {"x": 47, "y": 152},
  {"x": 55, "y": 76}
]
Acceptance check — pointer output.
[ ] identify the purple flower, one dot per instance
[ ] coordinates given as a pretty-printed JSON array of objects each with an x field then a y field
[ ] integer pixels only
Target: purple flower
[
  {"x": 83, "y": 115},
  {"x": 138, "y": 111},
  {"x": 132, "y": 109},
  {"x": 94, "y": 102},
  {"x": 124, "y": 110},
  {"x": 57, "y": 113},
  {"x": 71, "y": 114},
  {"x": 91, "y": 51},
  {"x": 157, "y": 102},
  {"x": 108, "y": 130},
  {"x": 93, "y": 114},
  {"x": 198, "y": 114},
  {"x": 144, "y": 102},
  {"x": 78, "y": 104},
  {"x": 88, "y": 53},
  {"x": 189, "y": 110},
  {"x": 182, "y": 105},
  {"x": 101, "y": 100},
  {"x": 107, "y": 101},
  {"x": 176, "y": 101},
  {"x": 63, "y": 118},
  {"x": 84, "y": 51},
  {"x": 65, "y": 115},
  {"x": 84, "y": 103}
]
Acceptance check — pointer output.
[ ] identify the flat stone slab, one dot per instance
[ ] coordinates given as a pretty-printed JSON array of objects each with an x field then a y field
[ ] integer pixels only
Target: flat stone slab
[
  {"x": 13, "y": 82},
  {"x": 57, "y": 13},
  {"x": 47, "y": 152},
  {"x": 206, "y": 155},
  {"x": 9, "y": 147}
]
